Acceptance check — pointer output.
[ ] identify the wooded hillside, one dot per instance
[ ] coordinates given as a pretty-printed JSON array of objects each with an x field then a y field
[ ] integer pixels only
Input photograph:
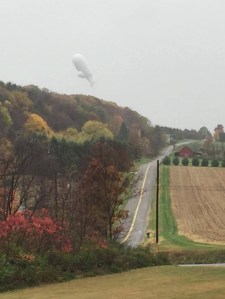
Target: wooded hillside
[
  {"x": 71, "y": 155},
  {"x": 29, "y": 108}
]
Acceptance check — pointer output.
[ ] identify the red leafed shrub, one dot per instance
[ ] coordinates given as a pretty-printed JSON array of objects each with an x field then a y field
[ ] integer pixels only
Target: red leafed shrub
[{"x": 35, "y": 233}]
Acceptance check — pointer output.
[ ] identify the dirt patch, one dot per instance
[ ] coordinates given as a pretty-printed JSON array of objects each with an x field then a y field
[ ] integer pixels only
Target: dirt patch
[{"x": 198, "y": 202}]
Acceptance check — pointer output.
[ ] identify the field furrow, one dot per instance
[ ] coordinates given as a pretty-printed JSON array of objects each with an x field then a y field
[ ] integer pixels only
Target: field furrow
[{"x": 198, "y": 202}]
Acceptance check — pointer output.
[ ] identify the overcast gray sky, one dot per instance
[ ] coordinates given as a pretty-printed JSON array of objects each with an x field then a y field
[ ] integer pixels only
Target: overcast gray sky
[{"x": 163, "y": 58}]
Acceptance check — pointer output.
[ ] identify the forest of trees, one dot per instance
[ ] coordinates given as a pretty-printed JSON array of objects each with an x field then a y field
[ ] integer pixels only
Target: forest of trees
[
  {"x": 74, "y": 117},
  {"x": 65, "y": 159},
  {"x": 179, "y": 134},
  {"x": 71, "y": 155}
]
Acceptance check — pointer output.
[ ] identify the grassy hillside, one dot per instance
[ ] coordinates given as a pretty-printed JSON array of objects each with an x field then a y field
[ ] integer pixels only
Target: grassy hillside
[{"x": 168, "y": 282}]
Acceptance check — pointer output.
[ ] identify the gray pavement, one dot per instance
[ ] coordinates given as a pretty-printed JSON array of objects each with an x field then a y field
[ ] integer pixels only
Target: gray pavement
[{"x": 139, "y": 206}]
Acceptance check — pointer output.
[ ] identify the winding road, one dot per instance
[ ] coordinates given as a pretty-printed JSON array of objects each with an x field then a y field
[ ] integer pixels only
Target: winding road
[{"x": 139, "y": 206}]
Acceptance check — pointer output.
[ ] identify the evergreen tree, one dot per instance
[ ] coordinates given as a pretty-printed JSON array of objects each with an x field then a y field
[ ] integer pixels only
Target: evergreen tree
[
  {"x": 123, "y": 134},
  {"x": 176, "y": 161},
  {"x": 185, "y": 161}
]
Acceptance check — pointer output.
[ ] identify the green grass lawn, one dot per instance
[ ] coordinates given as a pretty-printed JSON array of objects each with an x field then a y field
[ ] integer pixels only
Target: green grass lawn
[
  {"x": 141, "y": 161},
  {"x": 156, "y": 282}
]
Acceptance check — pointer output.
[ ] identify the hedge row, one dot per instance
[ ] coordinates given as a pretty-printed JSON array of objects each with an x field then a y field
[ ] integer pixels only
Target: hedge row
[
  {"x": 194, "y": 162},
  {"x": 25, "y": 270}
]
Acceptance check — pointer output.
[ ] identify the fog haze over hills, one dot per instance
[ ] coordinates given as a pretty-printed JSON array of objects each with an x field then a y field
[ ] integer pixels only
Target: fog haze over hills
[{"x": 163, "y": 58}]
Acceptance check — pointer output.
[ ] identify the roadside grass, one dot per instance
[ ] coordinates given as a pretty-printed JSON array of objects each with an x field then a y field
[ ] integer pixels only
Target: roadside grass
[
  {"x": 141, "y": 161},
  {"x": 152, "y": 283},
  {"x": 169, "y": 238}
]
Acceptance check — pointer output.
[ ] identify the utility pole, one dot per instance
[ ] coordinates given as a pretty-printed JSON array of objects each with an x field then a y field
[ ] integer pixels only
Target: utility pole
[{"x": 157, "y": 206}]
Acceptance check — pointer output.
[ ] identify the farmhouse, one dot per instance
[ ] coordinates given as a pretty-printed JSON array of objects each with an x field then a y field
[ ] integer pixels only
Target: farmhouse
[{"x": 187, "y": 152}]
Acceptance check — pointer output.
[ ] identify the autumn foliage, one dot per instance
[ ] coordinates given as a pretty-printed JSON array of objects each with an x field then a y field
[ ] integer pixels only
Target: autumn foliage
[
  {"x": 34, "y": 233},
  {"x": 64, "y": 177}
]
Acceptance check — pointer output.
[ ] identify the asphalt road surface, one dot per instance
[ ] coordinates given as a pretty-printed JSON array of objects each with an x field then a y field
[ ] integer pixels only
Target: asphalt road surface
[{"x": 139, "y": 206}]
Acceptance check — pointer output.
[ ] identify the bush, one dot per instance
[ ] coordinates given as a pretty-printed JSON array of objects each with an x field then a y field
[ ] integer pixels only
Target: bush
[
  {"x": 8, "y": 273},
  {"x": 176, "y": 161},
  {"x": 63, "y": 261},
  {"x": 205, "y": 162},
  {"x": 215, "y": 163},
  {"x": 25, "y": 270},
  {"x": 185, "y": 161},
  {"x": 166, "y": 160},
  {"x": 195, "y": 162},
  {"x": 31, "y": 233},
  {"x": 94, "y": 261},
  {"x": 197, "y": 256},
  {"x": 86, "y": 259},
  {"x": 223, "y": 163}
]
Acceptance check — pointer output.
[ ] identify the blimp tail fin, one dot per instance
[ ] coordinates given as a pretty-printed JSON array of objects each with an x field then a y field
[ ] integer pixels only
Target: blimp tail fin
[{"x": 81, "y": 75}]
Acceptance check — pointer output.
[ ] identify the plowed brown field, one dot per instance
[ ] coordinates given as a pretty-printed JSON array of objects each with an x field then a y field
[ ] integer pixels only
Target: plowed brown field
[{"x": 198, "y": 202}]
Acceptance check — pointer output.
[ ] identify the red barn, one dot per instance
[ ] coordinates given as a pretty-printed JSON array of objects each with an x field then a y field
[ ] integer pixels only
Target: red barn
[{"x": 187, "y": 152}]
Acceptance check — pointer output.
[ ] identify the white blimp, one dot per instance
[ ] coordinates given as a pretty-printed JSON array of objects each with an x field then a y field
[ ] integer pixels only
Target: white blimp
[{"x": 82, "y": 67}]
